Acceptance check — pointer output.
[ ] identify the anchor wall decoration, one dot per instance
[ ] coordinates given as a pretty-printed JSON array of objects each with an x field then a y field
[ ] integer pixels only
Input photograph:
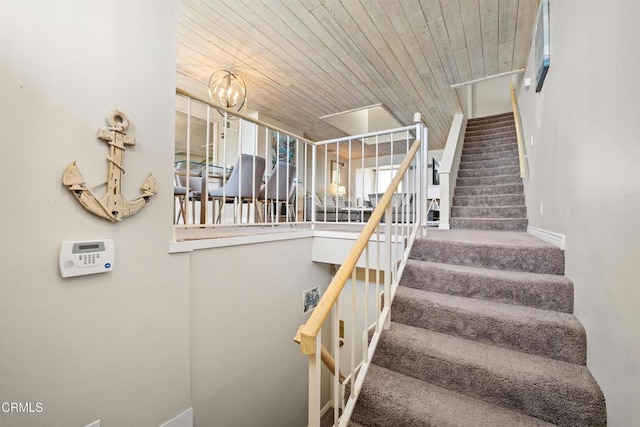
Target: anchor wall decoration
[{"x": 112, "y": 206}]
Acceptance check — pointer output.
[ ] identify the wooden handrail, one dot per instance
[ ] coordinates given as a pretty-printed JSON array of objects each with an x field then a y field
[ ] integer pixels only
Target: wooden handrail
[
  {"x": 309, "y": 330},
  {"x": 516, "y": 118},
  {"x": 326, "y": 358}
]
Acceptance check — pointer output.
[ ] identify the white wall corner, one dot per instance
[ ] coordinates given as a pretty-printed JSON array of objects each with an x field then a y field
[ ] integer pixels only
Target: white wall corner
[
  {"x": 555, "y": 239},
  {"x": 185, "y": 419}
]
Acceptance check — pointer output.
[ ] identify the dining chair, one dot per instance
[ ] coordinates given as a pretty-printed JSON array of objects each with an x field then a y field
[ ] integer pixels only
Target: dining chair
[
  {"x": 242, "y": 187},
  {"x": 290, "y": 209},
  {"x": 196, "y": 179},
  {"x": 277, "y": 190}
]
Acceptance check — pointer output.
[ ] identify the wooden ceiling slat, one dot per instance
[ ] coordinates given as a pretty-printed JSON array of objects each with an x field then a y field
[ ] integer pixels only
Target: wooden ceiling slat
[
  {"x": 328, "y": 58},
  {"x": 299, "y": 53},
  {"x": 455, "y": 30},
  {"x": 361, "y": 30},
  {"x": 267, "y": 96},
  {"x": 470, "y": 11},
  {"x": 418, "y": 22},
  {"x": 357, "y": 59},
  {"x": 508, "y": 15},
  {"x": 424, "y": 75},
  {"x": 303, "y": 59},
  {"x": 489, "y": 25},
  {"x": 526, "y": 17},
  {"x": 423, "y": 96}
]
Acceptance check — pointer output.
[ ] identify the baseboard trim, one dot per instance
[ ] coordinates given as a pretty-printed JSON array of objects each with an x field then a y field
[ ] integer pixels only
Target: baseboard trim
[
  {"x": 444, "y": 226},
  {"x": 555, "y": 239},
  {"x": 328, "y": 407},
  {"x": 185, "y": 419}
]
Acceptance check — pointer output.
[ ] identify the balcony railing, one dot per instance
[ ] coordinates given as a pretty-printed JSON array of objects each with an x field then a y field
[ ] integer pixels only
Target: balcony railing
[
  {"x": 366, "y": 284},
  {"x": 235, "y": 170}
]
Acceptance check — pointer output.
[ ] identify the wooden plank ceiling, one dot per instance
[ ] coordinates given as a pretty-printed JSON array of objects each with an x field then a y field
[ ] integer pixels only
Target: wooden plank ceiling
[{"x": 302, "y": 59}]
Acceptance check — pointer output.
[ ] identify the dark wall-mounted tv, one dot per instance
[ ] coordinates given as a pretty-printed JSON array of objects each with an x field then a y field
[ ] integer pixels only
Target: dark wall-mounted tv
[{"x": 435, "y": 169}]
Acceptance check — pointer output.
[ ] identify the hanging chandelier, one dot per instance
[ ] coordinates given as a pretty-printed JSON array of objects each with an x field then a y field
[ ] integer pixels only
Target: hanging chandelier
[{"x": 228, "y": 89}]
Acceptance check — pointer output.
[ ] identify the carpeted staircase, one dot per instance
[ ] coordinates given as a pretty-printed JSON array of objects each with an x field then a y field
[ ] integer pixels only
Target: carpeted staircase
[
  {"x": 482, "y": 335},
  {"x": 489, "y": 193},
  {"x": 482, "y": 330}
]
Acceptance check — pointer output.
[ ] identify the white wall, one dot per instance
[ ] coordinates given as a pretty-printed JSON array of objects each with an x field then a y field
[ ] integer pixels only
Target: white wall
[
  {"x": 584, "y": 168},
  {"x": 486, "y": 98},
  {"x": 246, "y": 306},
  {"x": 113, "y": 346},
  {"x": 491, "y": 97}
]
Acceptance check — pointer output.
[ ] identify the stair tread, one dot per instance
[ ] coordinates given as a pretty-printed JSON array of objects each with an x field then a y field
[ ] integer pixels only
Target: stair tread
[
  {"x": 504, "y": 127},
  {"x": 484, "y": 186},
  {"x": 488, "y": 200},
  {"x": 505, "y": 153},
  {"x": 508, "y": 250},
  {"x": 504, "y": 175},
  {"x": 491, "y": 117},
  {"x": 489, "y": 238},
  {"x": 491, "y": 308},
  {"x": 545, "y": 291},
  {"x": 498, "y": 224},
  {"x": 504, "y": 362},
  {"x": 418, "y": 403},
  {"x": 533, "y": 279},
  {"x": 475, "y": 162},
  {"x": 476, "y": 173},
  {"x": 532, "y": 330},
  {"x": 504, "y": 207},
  {"x": 534, "y": 382},
  {"x": 499, "y": 148}
]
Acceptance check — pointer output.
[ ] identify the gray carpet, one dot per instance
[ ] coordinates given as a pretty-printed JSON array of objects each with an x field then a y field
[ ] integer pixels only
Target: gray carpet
[
  {"x": 489, "y": 192},
  {"x": 482, "y": 334}
]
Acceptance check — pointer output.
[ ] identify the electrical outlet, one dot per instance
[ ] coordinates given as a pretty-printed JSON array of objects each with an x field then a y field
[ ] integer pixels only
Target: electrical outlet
[{"x": 541, "y": 208}]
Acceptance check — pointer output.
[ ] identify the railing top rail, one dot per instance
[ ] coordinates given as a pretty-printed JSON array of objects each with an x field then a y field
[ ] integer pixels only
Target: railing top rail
[
  {"x": 366, "y": 135},
  {"x": 241, "y": 115},
  {"x": 310, "y": 330}
]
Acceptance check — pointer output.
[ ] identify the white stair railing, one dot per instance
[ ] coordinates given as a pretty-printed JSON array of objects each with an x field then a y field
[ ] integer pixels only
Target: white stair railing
[{"x": 366, "y": 283}]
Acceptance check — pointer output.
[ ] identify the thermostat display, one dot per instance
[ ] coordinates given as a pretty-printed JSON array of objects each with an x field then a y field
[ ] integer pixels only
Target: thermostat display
[{"x": 87, "y": 257}]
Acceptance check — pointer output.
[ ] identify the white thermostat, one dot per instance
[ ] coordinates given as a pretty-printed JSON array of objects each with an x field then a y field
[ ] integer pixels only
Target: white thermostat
[{"x": 86, "y": 257}]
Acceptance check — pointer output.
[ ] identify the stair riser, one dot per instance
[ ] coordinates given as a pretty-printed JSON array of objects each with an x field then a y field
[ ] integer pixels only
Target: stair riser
[
  {"x": 508, "y": 127},
  {"x": 545, "y": 260},
  {"x": 489, "y": 180},
  {"x": 490, "y": 224},
  {"x": 479, "y": 201},
  {"x": 488, "y": 164},
  {"x": 505, "y": 170},
  {"x": 546, "y": 293},
  {"x": 550, "y": 401},
  {"x": 489, "y": 156},
  {"x": 490, "y": 143},
  {"x": 492, "y": 190},
  {"x": 560, "y": 341},
  {"x": 491, "y": 149},
  {"x": 489, "y": 212},
  {"x": 490, "y": 137}
]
